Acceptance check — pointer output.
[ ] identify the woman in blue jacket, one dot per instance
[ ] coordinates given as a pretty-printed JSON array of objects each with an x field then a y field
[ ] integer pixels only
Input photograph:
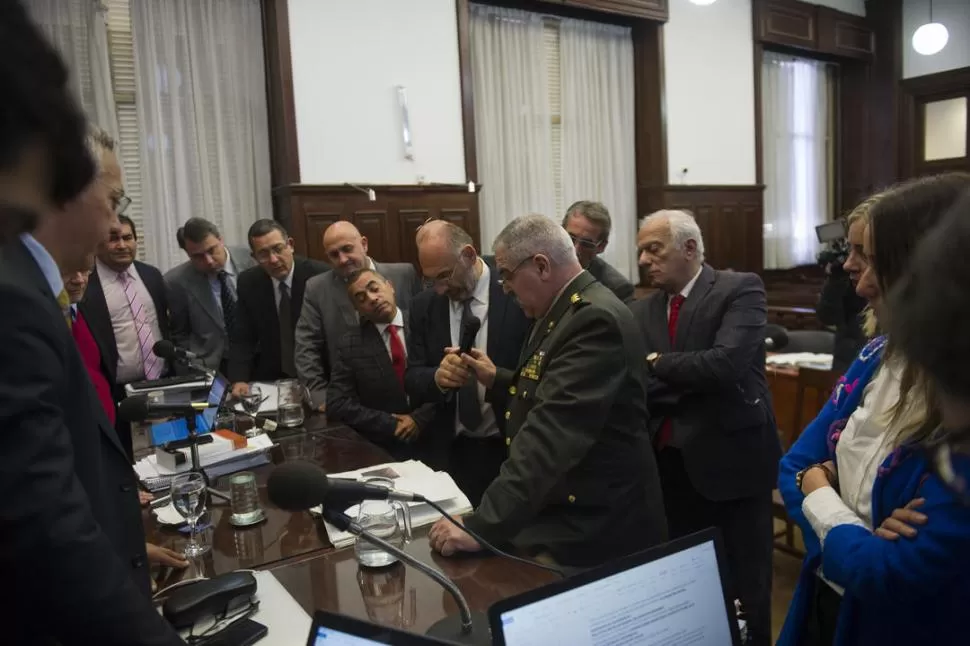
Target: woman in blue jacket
[{"x": 859, "y": 469}]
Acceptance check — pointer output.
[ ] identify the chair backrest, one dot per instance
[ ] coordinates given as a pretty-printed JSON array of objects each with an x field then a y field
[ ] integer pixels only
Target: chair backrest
[
  {"x": 812, "y": 392},
  {"x": 817, "y": 341}
]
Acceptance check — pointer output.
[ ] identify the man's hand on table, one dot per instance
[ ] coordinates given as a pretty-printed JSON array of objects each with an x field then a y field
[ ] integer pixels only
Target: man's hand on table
[
  {"x": 447, "y": 539},
  {"x": 144, "y": 497},
  {"x": 240, "y": 388},
  {"x": 158, "y": 555}
]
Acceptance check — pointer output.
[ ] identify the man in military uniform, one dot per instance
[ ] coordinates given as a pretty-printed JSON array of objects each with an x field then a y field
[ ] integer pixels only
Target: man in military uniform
[{"x": 580, "y": 485}]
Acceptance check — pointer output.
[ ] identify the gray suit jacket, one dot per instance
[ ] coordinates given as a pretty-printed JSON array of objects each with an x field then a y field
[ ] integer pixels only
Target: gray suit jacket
[
  {"x": 195, "y": 315},
  {"x": 611, "y": 279},
  {"x": 328, "y": 314},
  {"x": 710, "y": 382}
]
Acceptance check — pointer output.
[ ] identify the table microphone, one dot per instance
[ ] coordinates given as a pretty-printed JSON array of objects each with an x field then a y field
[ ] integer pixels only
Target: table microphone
[
  {"x": 139, "y": 409},
  {"x": 776, "y": 338},
  {"x": 298, "y": 486},
  {"x": 170, "y": 352}
]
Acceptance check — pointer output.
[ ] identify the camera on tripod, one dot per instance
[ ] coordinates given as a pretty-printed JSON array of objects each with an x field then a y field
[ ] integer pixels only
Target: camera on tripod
[{"x": 833, "y": 234}]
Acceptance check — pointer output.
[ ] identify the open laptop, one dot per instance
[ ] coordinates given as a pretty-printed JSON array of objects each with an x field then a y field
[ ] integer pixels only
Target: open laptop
[
  {"x": 671, "y": 594},
  {"x": 177, "y": 429},
  {"x": 331, "y": 629}
]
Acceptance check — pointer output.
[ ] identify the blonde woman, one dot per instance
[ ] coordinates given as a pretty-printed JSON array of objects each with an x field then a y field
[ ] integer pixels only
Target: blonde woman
[{"x": 852, "y": 474}]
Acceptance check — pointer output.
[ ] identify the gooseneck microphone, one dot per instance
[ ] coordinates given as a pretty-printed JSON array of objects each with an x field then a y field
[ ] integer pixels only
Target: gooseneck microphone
[
  {"x": 139, "y": 409},
  {"x": 170, "y": 352},
  {"x": 297, "y": 486},
  {"x": 776, "y": 338}
]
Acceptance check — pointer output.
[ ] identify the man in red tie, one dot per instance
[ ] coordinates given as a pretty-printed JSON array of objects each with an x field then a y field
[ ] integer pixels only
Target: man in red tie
[
  {"x": 711, "y": 416},
  {"x": 366, "y": 389}
]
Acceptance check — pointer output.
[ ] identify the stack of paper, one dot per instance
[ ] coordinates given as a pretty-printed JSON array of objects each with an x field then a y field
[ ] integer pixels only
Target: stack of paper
[
  {"x": 413, "y": 476},
  {"x": 217, "y": 458},
  {"x": 807, "y": 359}
]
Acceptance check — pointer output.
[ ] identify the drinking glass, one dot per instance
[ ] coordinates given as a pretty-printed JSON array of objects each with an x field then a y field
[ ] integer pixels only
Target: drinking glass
[
  {"x": 252, "y": 400},
  {"x": 388, "y": 520},
  {"x": 290, "y": 412},
  {"x": 188, "y": 498},
  {"x": 244, "y": 499}
]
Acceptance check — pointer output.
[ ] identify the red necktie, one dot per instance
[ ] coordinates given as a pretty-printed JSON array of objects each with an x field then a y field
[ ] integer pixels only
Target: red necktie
[
  {"x": 398, "y": 358},
  {"x": 667, "y": 428}
]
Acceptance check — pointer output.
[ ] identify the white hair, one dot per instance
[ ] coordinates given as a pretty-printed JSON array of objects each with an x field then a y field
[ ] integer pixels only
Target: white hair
[
  {"x": 99, "y": 142},
  {"x": 528, "y": 235},
  {"x": 683, "y": 227}
]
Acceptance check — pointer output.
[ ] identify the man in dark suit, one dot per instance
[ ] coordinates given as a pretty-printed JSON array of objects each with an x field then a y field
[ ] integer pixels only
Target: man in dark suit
[
  {"x": 328, "y": 313},
  {"x": 72, "y": 548},
  {"x": 468, "y": 430},
  {"x": 580, "y": 486},
  {"x": 270, "y": 296},
  {"x": 713, "y": 424},
  {"x": 202, "y": 292},
  {"x": 126, "y": 308},
  {"x": 366, "y": 389},
  {"x": 588, "y": 225}
]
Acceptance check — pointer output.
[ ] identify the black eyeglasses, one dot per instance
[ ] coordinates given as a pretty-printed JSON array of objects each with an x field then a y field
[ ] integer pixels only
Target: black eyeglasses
[
  {"x": 943, "y": 453},
  {"x": 507, "y": 275}
]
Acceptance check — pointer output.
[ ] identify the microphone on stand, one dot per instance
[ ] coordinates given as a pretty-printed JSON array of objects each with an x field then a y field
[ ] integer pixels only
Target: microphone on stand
[
  {"x": 776, "y": 338},
  {"x": 139, "y": 409},
  {"x": 170, "y": 352},
  {"x": 298, "y": 486}
]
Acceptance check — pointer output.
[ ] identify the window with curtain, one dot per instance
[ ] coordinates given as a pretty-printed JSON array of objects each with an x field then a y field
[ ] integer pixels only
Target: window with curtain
[
  {"x": 798, "y": 152},
  {"x": 554, "y": 120}
]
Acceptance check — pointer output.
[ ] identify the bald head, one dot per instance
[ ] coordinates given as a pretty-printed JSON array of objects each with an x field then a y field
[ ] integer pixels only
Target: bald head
[
  {"x": 345, "y": 248},
  {"x": 448, "y": 258}
]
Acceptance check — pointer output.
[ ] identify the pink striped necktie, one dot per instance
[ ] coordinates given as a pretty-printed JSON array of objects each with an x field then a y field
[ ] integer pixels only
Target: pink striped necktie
[{"x": 146, "y": 340}]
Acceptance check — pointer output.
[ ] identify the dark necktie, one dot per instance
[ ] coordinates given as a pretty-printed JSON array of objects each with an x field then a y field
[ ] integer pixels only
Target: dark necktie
[
  {"x": 469, "y": 407},
  {"x": 667, "y": 427},
  {"x": 398, "y": 357},
  {"x": 228, "y": 301},
  {"x": 286, "y": 332}
]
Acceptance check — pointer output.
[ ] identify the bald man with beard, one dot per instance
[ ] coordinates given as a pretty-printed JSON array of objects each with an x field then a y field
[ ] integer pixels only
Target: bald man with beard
[{"x": 327, "y": 311}]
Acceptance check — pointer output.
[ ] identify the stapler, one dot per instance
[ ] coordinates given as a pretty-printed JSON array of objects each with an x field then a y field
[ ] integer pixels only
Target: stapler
[{"x": 211, "y": 600}]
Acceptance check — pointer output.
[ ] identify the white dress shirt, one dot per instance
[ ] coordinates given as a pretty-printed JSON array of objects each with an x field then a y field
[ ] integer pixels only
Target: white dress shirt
[
  {"x": 131, "y": 366},
  {"x": 479, "y": 307},
  {"x": 289, "y": 283},
  {"x": 398, "y": 323},
  {"x": 685, "y": 292}
]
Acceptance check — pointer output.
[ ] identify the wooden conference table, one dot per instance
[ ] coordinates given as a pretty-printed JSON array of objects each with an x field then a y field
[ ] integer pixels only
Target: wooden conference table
[{"x": 296, "y": 548}]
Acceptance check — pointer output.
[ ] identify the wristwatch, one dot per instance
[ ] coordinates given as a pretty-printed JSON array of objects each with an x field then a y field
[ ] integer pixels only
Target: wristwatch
[
  {"x": 800, "y": 476},
  {"x": 652, "y": 358}
]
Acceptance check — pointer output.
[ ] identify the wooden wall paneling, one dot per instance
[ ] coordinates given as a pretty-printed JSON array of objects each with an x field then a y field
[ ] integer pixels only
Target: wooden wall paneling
[
  {"x": 882, "y": 96},
  {"x": 650, "y": 126},
  {"x": 842, "y": 34},
  {"x": 787, "y": 22},
  {"x": 651, "y": 9},
  {"x": 467, "y": 90},
  {"x": 284, "y": 151},
  {"x": 853, "y": 157},
  {"x": 915, "y": 93}
]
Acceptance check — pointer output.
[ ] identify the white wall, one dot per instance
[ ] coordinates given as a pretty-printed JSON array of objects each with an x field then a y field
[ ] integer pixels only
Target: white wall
[
  {"x": 709, "y": 79},
  {"x": 348, "y": 56},
  {"x": 858, "y": 7},
  {"x": 955, "y": 14}
]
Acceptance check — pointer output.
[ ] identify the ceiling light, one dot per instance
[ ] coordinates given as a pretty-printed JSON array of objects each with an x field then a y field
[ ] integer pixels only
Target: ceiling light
[
  {"x": 703, "y": 3},
  {"x": 931, "y": 37}
]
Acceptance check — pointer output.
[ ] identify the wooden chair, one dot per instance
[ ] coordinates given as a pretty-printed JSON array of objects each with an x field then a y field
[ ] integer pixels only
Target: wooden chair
[{"x": 812, "y": 392}]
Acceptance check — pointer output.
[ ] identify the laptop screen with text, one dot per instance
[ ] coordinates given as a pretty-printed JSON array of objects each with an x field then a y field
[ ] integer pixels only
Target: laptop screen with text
[{"x": 675, "y": 599}]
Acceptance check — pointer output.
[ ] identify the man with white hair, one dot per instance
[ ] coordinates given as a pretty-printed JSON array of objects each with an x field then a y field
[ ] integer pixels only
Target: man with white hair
[
  {"x": 713, "y": 425},
  {"x": 580, "y": 485}
]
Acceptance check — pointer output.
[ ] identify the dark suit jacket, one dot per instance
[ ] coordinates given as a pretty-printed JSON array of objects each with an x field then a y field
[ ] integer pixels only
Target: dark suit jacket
[
  {"x": 72, "y": 546},
  {"x": 94, "y": 308},
  {"x": 712, "y": 384},
  {"x": 611, "y": 279},
  {"x": 254, "y": 344},
  {"x": 581, "y": 480},
  {"x": 430, "y": 325},
  {"x": 364, "y": 391}
]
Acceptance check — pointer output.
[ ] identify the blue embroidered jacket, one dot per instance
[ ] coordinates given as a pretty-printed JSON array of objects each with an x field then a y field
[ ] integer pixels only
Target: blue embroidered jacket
[{"x": 908, "y": 591}]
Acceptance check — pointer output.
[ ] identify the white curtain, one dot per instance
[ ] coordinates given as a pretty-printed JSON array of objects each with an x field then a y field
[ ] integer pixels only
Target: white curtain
[
  {"x": 78, "y": 31},
  {"x": 796, "y": 150},
  {"x": 512, "y": 118},
  {"x": 598, "y": 155},
  {"x": 201, "y": 98}
]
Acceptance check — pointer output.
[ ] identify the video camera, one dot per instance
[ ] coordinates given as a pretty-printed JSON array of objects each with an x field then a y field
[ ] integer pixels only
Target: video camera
[{"x": 834, "y": 235}]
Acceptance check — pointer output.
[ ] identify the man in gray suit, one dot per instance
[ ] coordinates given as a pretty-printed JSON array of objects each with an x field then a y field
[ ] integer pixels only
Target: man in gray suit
[
  {"x": 711, "y": 415},
  {"x": 588, "y": 225},
  {"x": 328, "y": 314},
  {"x": 202, "y": 292}
]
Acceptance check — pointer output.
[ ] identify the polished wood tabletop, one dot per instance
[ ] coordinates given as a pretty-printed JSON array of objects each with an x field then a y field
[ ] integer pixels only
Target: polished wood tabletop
[
  {"x": 283, "y": 535},
  {"x": 399, "y": 595}
]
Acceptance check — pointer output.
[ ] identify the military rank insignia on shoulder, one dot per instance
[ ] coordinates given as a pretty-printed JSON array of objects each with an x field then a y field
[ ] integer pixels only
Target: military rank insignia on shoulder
[{"x": 533, "y": 367}]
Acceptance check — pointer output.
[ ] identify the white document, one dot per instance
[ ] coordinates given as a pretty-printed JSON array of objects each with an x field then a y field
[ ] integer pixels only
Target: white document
[
  {"x": 806, "y": 359},
  {"x": 287, "y": 621},
  {"x": 218, "y": 452},
  {"x": 413, "y": 476}
]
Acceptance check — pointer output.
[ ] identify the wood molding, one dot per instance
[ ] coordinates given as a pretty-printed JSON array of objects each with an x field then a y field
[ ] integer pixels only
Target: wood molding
[
  {"x": 882, "y": 95},
  {"x": 730, "y": 217},
  {"x": 389, "y": 222},
  {"x": 649, "y": 9},
  {"x": 467, "y": 90},
  {"x": 915, "y": 93},
  {"x": 800, "y": 25},
  {"x": 284, "y": 149},
  {"x": 650, "y": 127}
]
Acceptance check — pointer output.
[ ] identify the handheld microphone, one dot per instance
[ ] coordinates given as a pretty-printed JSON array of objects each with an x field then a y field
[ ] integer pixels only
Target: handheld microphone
[
  {"x": 776, "y": 338},
  {"x": 138, "y": 409},
  {"x": 297, "y": 486},
  {"x": 468, "y": 333}
]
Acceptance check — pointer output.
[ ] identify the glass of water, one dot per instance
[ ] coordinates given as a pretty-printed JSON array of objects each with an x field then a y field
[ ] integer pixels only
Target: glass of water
[
  {"x": 188, "y": 498},
  {"x": 290, "y": 411},
  {"x": 384, "y": 519}
]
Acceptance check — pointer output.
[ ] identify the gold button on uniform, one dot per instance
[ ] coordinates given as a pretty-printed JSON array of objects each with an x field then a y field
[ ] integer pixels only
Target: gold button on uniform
[
  {"x": 508, "y": 414},
  {"x": 511, "y": 390},
  {"x": 571, "y": 498},
  {"x": 508, "y": 441}
]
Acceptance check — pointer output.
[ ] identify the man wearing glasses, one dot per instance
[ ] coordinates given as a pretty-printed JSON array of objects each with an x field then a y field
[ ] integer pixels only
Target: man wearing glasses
[
  {"x": 269, "y": 299},
  {"x": 588, "y": 225},
  {"x": 467, "y": 428},
  {"x": 125, "y": 306}
]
